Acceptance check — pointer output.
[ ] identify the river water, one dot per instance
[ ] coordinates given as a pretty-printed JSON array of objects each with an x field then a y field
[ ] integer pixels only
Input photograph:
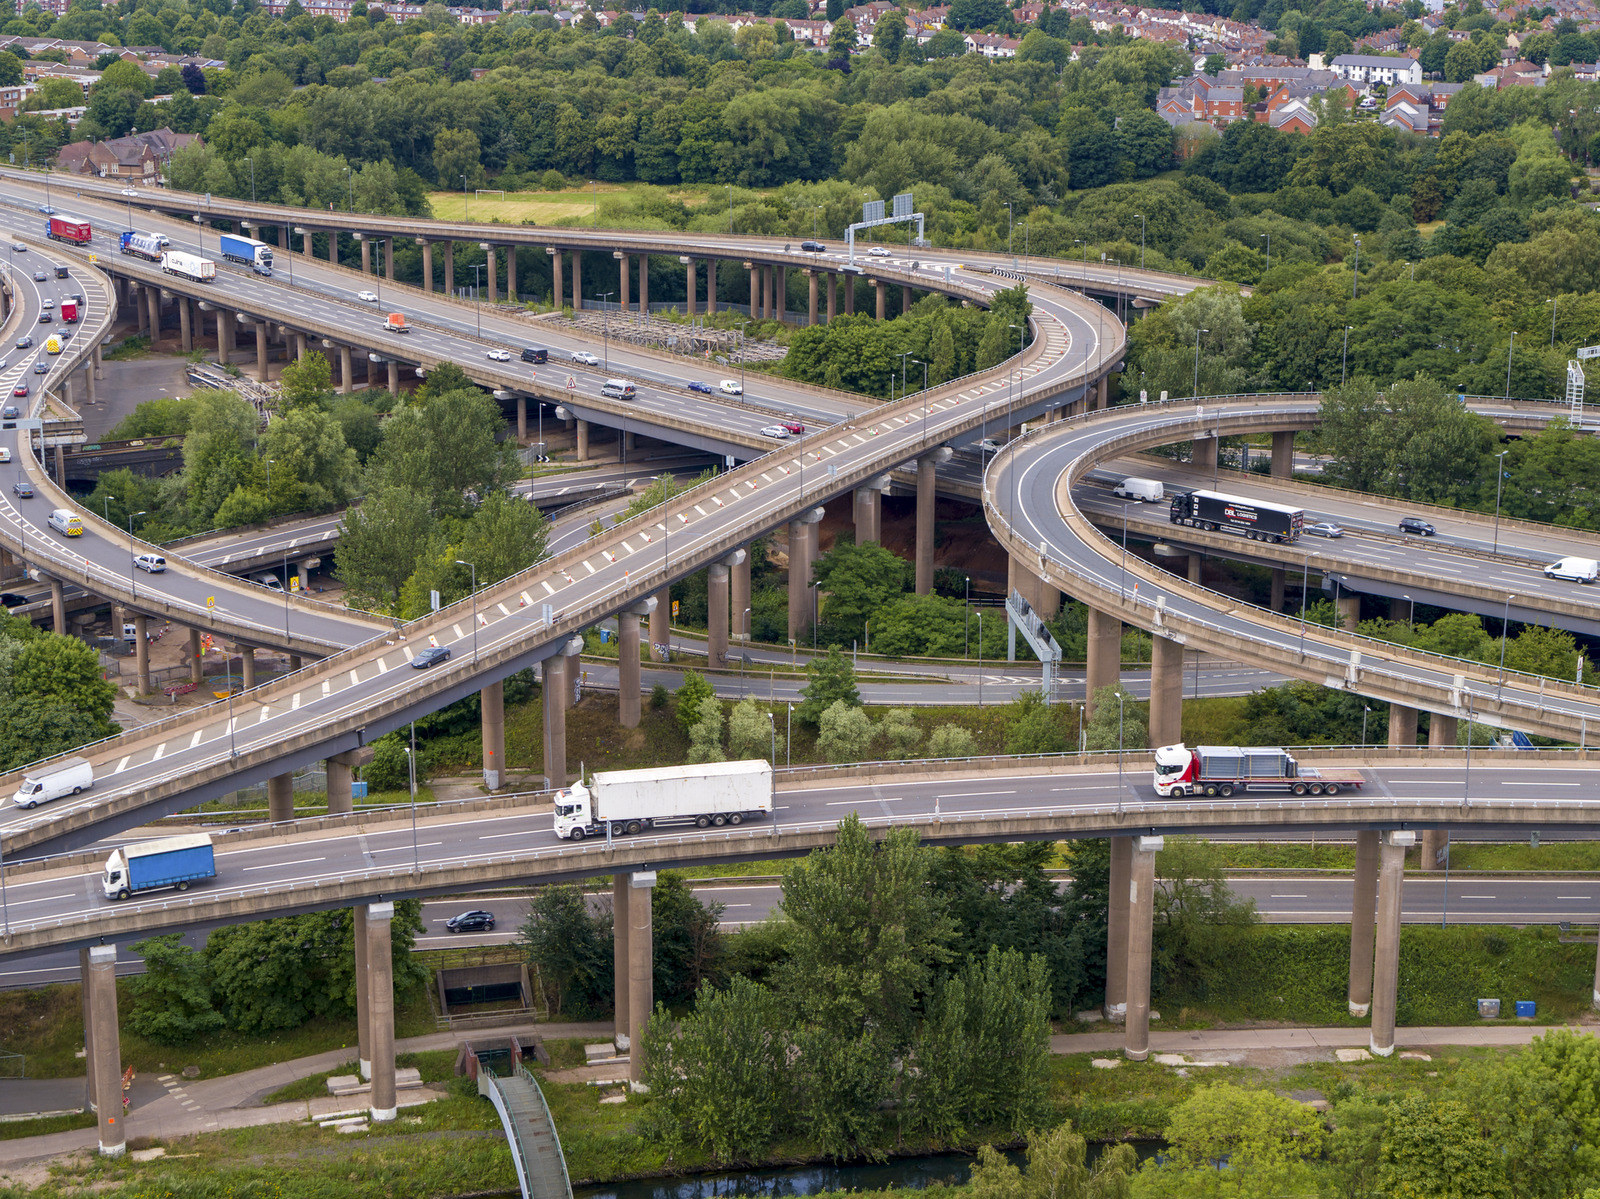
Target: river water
[{"x": 783, "y": 1181}]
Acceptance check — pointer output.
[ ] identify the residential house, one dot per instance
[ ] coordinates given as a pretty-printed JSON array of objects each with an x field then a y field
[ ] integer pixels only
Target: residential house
[
  {"x": 1372, "y": 68},
  {"x": 135, "y": 159},
  {"x": 992, "y": 45}
]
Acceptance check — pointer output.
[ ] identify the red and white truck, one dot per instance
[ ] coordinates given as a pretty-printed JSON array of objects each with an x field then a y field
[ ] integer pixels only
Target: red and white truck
[
  {"x": 69, "y": 311},
  {"x": 1224, "y": 769},
  {"x": 69, "y": 229}
]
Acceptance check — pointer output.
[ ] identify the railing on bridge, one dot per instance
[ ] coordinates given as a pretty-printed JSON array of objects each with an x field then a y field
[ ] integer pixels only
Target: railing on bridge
[{"x": 535, "y": 1146}]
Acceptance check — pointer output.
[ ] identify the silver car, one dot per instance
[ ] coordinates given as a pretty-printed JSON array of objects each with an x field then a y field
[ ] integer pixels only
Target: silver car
[{"x": 1325, "y": 528}]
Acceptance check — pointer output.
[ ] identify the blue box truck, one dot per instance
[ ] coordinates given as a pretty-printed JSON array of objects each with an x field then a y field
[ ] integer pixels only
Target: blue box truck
[
  {"x": 170, "y": 862},
  {"x": 247, "y": 250}
]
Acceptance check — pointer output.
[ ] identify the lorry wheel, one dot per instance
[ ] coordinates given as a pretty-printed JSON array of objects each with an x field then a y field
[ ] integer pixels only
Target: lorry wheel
[
  {"x": 1225, "y": 791},
  {"x": 183, "y": 886},
  {"x": 1332, "y": 788},
  {"x": 719, "y": 820},
  {"x": 124, "y": 893},
  {"x": 77, "y": 790},
  {"x": 1298, "y": 788},
  {"x": 1316, "y": 789},
  {"x": 635, "y": 827},
  {"x": 575, "y": 835},
  {"x": 702, "y": 822},
  {"x": 736, "y": 819},
  {"x": 1211, "y": 790}
]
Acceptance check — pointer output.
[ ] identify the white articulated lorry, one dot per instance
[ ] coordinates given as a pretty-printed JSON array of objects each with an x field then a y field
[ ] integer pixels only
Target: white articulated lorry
[{"x": 630, "y": 801}]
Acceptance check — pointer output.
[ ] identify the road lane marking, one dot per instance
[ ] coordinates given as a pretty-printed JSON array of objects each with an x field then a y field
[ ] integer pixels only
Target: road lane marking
[
  {"x": 1288, "y": 897},
  {"x": 284, "y": 865},
  {"x": 195, "y": 740},
  {"x": 1474, "y": 896},
  {"x": 122, "y": 765},
  {"x": 160, "y": 750}
]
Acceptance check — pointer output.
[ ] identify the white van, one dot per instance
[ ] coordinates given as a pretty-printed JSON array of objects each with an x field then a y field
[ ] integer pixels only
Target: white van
[
  {"x": 1147, "y": 491},
  {"x": 66, "y": 522},
  {"x": 270, "y": 581},
  {"x": 617, "y": 389},
  {"x": 1579, "y": 570},
  {"x": 69, "y": 776}
]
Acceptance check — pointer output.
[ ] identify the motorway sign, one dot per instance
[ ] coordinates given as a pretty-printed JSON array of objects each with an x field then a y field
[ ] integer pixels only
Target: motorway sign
[{"x": 1589, "y": 352}]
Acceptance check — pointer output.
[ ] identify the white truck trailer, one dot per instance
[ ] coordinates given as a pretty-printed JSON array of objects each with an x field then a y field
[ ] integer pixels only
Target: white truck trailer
[
  {"x": 189, "y": 266},
  {"x": 630, "y": 801}
]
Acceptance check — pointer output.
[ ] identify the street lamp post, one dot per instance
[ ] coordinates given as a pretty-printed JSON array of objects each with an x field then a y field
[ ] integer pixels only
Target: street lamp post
[
  {"x": 1510, "y": 353},
  {"x": 248, "y": 162},
  {"x": 1140, "y": 215},
  {"x": 966, "y": 630},
  {"x": 1344, "y": 356},
  {"x": 1499, "y": 478},
  {"x": 411, "y": 769},
  {"x": 132, "y": 581},
  {"x": 474, "y": 571},
  {"x": 1355, "y": 274},
  {"x": 1305, "y": 587},
  {"x": 477, "y": 311},
  {"x": 1505, "y": 623},
  {"x": 605, "y": 330}
]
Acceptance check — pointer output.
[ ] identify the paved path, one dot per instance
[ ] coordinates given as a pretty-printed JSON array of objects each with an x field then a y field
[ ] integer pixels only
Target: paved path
[
  {"x": 1243, "y": 1040},
  {"x": 234, "y": 1100}
]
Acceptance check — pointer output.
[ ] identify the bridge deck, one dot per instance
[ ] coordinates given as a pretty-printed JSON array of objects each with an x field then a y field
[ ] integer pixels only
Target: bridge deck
[{"x": 541, "y": 1167}]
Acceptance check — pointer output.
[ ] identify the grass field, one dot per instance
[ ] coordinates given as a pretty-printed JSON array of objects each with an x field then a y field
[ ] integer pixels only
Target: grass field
[{"x": 574, "y": 206}]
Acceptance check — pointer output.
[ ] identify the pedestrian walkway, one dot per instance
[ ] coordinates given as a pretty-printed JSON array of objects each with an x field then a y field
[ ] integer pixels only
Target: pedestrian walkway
[
  {"x": 234, "y": 1100},
  {"x": 1235, "y": 1041}
]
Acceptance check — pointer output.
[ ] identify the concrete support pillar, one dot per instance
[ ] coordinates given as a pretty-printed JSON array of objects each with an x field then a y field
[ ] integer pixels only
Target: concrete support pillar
[
  {"x": 1283, "y": 454},
  {"x": 1104, "y": 653},
  {"x": 380, "y": 1009},
  {"x": 88, "y": 1019},
  {"x": 661, "y": 625},
  {"x": 366, "y": 256},
  {"x": 1203, "y": 454},
  {"x": 305, "y": 244},
  {"x": 1166, "y": 691},
  {"x": 1102, "y": 395},
  {"x": 522, "y": 420},
  {"x": 494, "y": 275},
  {"x": 558, "y": 285},
  {"x": 59, "y": 453},
  {"x": 926, "y": 499},
  {"x": 800, "y": 590},
  {"x": 1141, "y": 919},
  {"x": 1348, "y": 606},
  {"x": 225, "y": 326},
  {"x": 711, "y": 288},
  {"x": 261, "y": 350},
  {"x": 755, "y": 291},
  {"x": 280, "y": 797},
  {"x": 185, "y": 330},
  {"x": 141, "y": 651},
  {"x": 492, "y": 702},
  {"x": 299, "y": 347},
  {"x": 641, "y": 968},
  {"x": 628, "y": 669},
  {"x": 717, "y": 615},
  {"x": 883, "y": 298},
  {"x": 1386, "y": 967},
  {"x": 624, "y": 280},
  {"x": 739, "y": 596},
  {"x": 905, "y": 298},
  {"x": 1441, "y": 735},
  {"x": 1197, "y": 564},
  {"x": 833, "y": 294},
  {"x": 341, "y": 775},
  {"x": 690, "y": 284},
  {"x": 333, "y": 247},
  {"x": 106, "y": 1061},
  {"x": 1363, "y": 914},
  {"x": 1441, "y": 730},
  {"x": 577, "y": 280},
  {"x": 850, "y": 295},
  {"x": 99, "y": 362},
  {"x": 620, "y": 918},
  {"x": 782, "y": 293},
  {"x": 388, "y": 259},
  {"x": 449, "y": 268},
  {"x": 868, "y": 514},
  {"x": 1276, "y": 600},
  {"x": 583, "y": 441},
  {"x": 153, "y": 295},
  {"x": 58, "y": 607},
  {"x": 427, "y": 266},
  {"x": 141, "y": 310},
  {"x": 347, "y": 377},
  {"x": 559, "y": 671},
  {"x": 1116, "y": 1004},
  {"x": 294, "y": 659},
  {"x": 1402, "y": 726},
  {"x": 394, "y": 376},
  {"x": 644, "y": 285},
  {"x": 358, "y": 917},
  {"x": 811, "y": 289},
  {"x": 196, "y": 662}
]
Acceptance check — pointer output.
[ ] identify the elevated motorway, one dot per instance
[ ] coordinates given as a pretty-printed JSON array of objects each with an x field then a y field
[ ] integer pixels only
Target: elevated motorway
[{"x": 1028, "y": 497}]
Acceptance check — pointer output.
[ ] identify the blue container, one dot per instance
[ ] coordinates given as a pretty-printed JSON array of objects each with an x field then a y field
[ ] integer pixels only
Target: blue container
[
  {"x": 1524, "y": 1009},
  {"x": 358, "y": 790}
]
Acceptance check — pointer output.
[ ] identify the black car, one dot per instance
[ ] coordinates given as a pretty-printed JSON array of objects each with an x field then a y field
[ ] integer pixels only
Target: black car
[
  {"x": 1415, "y": 524},
  {"x": 812, "y": 247},
  {"x": 471, "y": 922},
  {"x": 63, "y": 272},
  {"x": 45, "y": 318},
  {"x": 431, "y": 656},
  {"x": 24, "y": 341},
  {"x": 534, "y": 354}
]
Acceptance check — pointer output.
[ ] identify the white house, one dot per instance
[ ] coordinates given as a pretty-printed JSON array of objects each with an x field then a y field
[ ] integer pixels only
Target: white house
[{"x": 1374, "y": 68}]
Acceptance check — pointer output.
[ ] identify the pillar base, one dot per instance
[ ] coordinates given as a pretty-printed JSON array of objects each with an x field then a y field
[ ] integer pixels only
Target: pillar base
[
  {"x": 1372, "y": 1047},
  {"x": 1360, "y": 1009},
  {"x": 382, "y": 1115},
  {"x": 1136, "y": 1055},
  {"x": 366, "y": 1069},
  {"x": 112, "y": 1150}
]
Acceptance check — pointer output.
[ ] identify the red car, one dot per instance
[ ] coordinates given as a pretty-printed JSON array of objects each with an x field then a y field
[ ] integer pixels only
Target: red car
[
  {"x": 793, "y": 425},
  {"x": 20, "y": 390}
]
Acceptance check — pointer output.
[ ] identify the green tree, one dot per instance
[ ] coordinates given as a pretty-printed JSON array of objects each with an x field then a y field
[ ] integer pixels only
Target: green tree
[
  {"x": 1033, "y": 727},
  {"x": 889, "y": 34},
  {"x": 308, "y": 444},
  {"x": 167, "y": 417},
  {"x": 1056, "y": 1170},
  {"x": 845, "y": 733},
  {"x": 445, "y": 449},
  {"x": 868, "y": 932},
  {"x": 899, "y": 732},
  {"x": 1434, "y": 1145},
  {"x": 569, "y": 944},
  {"x": 1193, "y": 903},
  {"x": 858, "y": 580},
  {"x": 843, "y": 38},
  {"x": 717, "y": 1076},
  {"x": 830, "y": 679},
  {"x": 218, "y": 451},
  {"x": 687, "y": 698},
  {"x": 307, "y": 383},
  {"x": 951, "y": 741},
  {"x": 456, "y": 152},
  {"x": 842, "y": 1083},
  {"x": 505, "y": 536},
  {"x": 379, "y": 543},
  {"x": 1115, "y": 725},
  {"x": 170, "y": 1003},
  {"x": 705, "y": 736},
  {"x": 688, "y": 944},
  {"x": 1268, "y": 1142},
  {"x": 751, "y": 733}
]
